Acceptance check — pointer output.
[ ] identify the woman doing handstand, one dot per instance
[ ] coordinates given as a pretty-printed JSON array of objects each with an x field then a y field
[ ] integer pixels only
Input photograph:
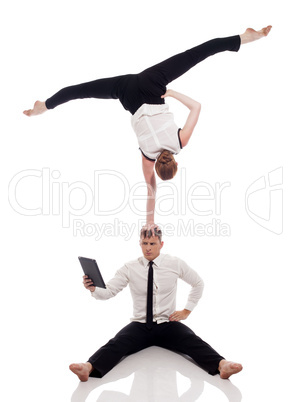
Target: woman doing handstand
[{"x": 143, "y": 96}]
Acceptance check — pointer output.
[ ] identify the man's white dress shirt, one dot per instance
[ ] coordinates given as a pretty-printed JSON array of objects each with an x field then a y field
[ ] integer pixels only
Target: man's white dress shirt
[{"x": 167, "y": 270}]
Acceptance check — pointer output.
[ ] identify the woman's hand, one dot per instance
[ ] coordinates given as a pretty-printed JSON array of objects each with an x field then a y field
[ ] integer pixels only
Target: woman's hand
[
  {"x": 150, "y": 179},
  {"x": 179, "y": 315},
  {"x": 167, "y": 93}
]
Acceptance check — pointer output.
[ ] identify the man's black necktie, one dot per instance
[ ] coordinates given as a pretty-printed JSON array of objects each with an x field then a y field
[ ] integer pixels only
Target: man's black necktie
[{"x": 149, "y": 323}]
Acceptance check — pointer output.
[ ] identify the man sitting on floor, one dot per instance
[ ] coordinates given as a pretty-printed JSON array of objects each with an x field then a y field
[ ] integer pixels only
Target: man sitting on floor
[{"x": 153, "y": 283}]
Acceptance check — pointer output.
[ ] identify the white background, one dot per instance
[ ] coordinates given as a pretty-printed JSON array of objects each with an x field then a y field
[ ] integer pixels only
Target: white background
[{"x": 48, "y": 319}]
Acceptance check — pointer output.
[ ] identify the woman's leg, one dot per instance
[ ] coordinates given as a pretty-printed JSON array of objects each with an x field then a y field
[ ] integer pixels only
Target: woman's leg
[
  {"x": 105, "y": 88},
  {"x": 160, "y": 75},
  {"x": 152, "y": 82},
  {"x": 148, "y": 86},
  {"x": 157, "y": 77}
]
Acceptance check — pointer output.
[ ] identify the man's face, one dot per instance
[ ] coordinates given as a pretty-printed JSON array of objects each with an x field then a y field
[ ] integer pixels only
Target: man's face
[{"x": 151, "y": 247}]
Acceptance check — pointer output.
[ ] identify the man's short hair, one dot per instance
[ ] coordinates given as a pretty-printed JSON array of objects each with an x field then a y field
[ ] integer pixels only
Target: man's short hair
[{"x": 149, "y": 232}]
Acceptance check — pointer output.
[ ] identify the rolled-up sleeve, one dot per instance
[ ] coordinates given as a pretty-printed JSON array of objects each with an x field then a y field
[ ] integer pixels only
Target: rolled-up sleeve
[
  {"x": 191, "y": 277},
  {"x": 114, "y": 286}
]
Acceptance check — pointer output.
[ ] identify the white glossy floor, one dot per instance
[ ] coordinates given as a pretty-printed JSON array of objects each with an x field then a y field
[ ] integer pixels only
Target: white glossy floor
[
  {"x": 158, "y": 375},
  {"x": 153, "y": 375}
]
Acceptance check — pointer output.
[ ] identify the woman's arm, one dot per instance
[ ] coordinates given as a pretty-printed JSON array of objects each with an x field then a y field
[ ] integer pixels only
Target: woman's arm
[
  {"x": 194, "y": 107},
  {"x": 150, "y": 179}
]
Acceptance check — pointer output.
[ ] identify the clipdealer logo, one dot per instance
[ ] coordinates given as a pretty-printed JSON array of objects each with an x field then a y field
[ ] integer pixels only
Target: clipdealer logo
[
  {"x": 264, "y": 201},
  {"x": 41, "y": 192}
]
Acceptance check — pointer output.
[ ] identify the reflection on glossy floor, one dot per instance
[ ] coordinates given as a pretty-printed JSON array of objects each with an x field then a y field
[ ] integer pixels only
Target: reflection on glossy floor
[{"x": 156, "y": 374}]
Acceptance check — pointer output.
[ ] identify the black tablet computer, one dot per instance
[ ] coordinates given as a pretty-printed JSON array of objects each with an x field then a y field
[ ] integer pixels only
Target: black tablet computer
[{"x": 91, "y": 269}]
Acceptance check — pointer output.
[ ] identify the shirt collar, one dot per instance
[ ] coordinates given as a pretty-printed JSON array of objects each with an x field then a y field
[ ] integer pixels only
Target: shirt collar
[{"x": 157, "y": 261}]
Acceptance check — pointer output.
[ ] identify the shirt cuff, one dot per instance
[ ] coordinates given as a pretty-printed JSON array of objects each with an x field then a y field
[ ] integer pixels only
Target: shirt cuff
[
  {"x": 94, "y": 294},
  {"x": 190, "y": 306}
]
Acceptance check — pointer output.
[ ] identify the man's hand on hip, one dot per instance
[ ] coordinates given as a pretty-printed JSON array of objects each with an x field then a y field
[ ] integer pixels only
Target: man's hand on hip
[{"x": 179, "y": 315}]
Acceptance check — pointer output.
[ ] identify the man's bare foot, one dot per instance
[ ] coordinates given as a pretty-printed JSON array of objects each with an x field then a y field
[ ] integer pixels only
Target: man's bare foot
[
  {"x": 227, "y": 368},
  {"x": 82, "y": 370},
  {"x": 251, "y": 35},
  {"x": 38, "y": 108}
]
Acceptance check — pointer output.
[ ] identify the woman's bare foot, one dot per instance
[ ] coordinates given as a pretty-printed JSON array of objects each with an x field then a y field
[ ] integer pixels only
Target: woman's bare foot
[
  {"x": 251, "y": 35},
  {"x": 82, "y": 370},
  {"x": 38, "y": 108},
  {"x": 227, "y": 368}
]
